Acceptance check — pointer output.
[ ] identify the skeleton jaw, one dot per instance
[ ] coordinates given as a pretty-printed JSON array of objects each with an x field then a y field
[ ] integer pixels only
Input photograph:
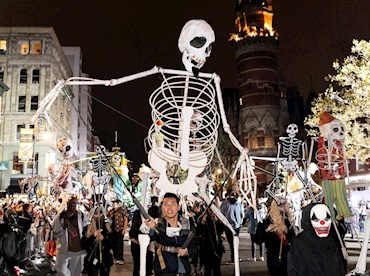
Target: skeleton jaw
[{"x": 192, "y": 61}]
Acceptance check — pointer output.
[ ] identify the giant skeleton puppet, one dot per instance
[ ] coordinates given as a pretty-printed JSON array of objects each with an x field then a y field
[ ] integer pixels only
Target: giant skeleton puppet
[
  {"x": 332, "y": 163},
  {"x": 184, "y": 132}
]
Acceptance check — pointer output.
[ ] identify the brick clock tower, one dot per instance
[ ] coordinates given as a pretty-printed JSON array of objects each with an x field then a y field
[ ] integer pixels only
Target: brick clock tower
[{"x": 263, "y": 114}]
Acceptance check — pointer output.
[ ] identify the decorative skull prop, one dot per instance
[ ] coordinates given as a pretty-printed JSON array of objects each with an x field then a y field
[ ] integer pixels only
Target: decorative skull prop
[
  {"x": 195, "y": 43},
  {"x": 321, "y": 220},
  {"x": 100, "y": 150},
  {"x": 65, "y": 147},
  {"x": 292, "y": 130}
]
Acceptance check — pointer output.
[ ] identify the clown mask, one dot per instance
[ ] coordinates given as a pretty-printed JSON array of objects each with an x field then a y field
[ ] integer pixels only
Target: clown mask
[{"x": 321, "y": 220}]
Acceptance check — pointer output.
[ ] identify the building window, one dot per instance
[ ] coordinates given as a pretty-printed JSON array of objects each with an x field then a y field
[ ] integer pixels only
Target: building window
[
  {"x": 22, "y": 104},
  {"x": 25, "y": 47},
  {"x": 270, "y": 142},
  {"x": 35, "y": 76},
  {"x": 18, "y": 134},
  {"x": 2, "y": 46},
  {"x": 36, "y": 47},
  {"x": 23, "y": 76},
  {"x": 1, "y": 75},
  {"x": 34, "y": 102},
  {"x": 261, "y": 142}
]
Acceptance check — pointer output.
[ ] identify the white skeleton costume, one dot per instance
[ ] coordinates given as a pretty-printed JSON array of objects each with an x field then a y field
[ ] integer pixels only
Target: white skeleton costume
[{"x": 184, "y": 132}]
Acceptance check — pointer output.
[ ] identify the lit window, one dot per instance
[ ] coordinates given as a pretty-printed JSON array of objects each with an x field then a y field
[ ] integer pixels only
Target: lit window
[
  {"x": 25, "y": 48},
  {"x": 36, "y": 47},
  {"x": 34, "y": 102},
  {"x": 22, "y": 104},
  {"x": 23, "y": 76},
  {"x": 2, "y": 46},
  {"x": 253, "y": 142},
  {"x": 35, "y": 76},
  {"x": 270, "y": 142}
]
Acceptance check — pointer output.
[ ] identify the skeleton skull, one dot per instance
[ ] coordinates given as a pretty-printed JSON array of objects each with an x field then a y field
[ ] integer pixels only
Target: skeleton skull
[
  {"x": 321, "y": 220},
  {"x": 100, "y": 149},
  {"x": 337, "y": 130},
  {"x": 292, "y": 130},
  {"x": 65, "y": 147},
  {"x": 195, "y": 43}
]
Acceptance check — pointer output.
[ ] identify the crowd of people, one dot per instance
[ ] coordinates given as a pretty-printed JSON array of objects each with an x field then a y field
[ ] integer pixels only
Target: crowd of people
[{"x": 85, "y": 238}]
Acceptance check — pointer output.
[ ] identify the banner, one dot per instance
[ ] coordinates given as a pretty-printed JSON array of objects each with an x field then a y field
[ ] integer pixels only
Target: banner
[{"x": 25, "y": 144}]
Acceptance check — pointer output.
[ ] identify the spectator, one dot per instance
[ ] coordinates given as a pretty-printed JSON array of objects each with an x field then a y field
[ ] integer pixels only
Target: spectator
[
  {"x": 232, "y": 209},
  {"x": 9, "y": 243},
  {"x": 119, "y": 224}
]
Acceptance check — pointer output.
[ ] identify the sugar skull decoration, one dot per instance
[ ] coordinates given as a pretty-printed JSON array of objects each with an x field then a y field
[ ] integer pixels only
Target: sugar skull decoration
[
  {"x": 65, "y": 147},
  {"x": 331, "y": 161},
  {"x": 195, "y": 44},
  {"x": 321, "y": 220}
]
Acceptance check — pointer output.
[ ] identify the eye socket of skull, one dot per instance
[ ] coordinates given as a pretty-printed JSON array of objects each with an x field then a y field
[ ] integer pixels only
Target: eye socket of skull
[
  {"x": 68, "y": 148},
  {"x": 209, "y": 48},
  {"x": 198, "y": 42},
  {"x": 335, "y": 129}
]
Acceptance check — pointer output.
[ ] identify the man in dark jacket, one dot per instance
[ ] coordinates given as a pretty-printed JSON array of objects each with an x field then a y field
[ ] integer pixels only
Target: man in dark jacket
[
  {"x": 9, "y": 244},
  {"x": 169, "y": 234}
]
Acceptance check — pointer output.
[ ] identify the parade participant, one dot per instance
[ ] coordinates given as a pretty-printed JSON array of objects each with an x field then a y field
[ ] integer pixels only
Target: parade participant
[
  {"x": 315, "y": 251},
  {"x": 98, "y": 244},
  {"x": 169, "y": 234},
  {"x": 68, "y": 226},
  {"x": 9, "y": 243},
  {"x": 134, "y": 233},
  {"x": 119, "y": 225},
  {"x": 212, "y": 248},
  {"x": 25, "y": 220},
  {"x": 232, "y": 209}
]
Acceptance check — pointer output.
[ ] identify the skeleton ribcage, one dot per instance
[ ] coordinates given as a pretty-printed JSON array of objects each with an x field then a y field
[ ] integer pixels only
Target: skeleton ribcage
[
  {"x": 291, "y": 148},
  {"x": 167, "y": 104}
]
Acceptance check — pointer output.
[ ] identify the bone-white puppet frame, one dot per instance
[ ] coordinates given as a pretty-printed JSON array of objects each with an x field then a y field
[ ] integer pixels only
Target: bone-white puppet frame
[{"x": 247, "y": 177}]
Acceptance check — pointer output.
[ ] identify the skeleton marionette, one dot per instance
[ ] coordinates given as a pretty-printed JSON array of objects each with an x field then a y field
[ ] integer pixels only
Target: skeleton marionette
[
  {"x": 185, "y": 118},
  {"x": 66, "y": 177},
  {"x": 332, "y": 163}
]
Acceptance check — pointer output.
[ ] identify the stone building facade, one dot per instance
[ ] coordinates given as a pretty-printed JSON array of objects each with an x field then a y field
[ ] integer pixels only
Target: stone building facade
[{"x": 32, "y": 61}]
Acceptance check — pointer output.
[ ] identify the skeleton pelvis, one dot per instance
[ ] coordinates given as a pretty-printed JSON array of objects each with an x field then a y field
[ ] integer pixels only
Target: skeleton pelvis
[{"x": 172, "y": 178}]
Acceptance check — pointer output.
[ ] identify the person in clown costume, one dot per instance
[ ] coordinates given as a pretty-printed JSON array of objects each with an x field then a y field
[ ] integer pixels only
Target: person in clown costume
[
  {"x": 332, "y": 164},
  {"x": 120, "y": 173}
]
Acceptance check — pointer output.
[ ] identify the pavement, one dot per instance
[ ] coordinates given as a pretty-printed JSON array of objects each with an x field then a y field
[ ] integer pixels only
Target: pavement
[{"x": 258, "y": 268}]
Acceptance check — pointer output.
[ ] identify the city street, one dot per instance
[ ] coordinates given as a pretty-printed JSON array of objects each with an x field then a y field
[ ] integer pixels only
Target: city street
[{"x": 246, "y": 268}]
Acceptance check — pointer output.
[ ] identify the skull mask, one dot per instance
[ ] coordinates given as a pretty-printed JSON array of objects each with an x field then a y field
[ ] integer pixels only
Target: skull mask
[
  {"x": 116, "y": 160},
  {"x": 195, "y": 43},
  {"x": 65, "y": 147},
  {"x": 337, "y": 130},
  {"x": 321, "y": 220},
  {"x": 100, "y": 149},
  {"x": 292, "y": 130}
]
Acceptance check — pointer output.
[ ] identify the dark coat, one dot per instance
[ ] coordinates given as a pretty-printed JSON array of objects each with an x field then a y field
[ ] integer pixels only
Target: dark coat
[
  {"x": 9, "y": 250},
  {"x": 311, "y": 255},
  {"x": 171, "y": 259}
]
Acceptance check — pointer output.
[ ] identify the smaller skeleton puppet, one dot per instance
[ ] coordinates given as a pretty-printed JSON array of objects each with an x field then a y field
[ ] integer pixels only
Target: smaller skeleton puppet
[
  {"x": 314, "y": 251},
  {"x": 332, "y": 164},
  {"x": 66, "y": 178}
]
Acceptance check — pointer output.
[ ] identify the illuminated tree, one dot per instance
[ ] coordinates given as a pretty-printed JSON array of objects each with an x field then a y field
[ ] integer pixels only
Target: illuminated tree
[{"x": 348, "y": 98}]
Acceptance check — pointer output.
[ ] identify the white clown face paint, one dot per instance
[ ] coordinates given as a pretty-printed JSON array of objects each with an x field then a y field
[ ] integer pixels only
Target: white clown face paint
[{"x": 321, "y": 220}]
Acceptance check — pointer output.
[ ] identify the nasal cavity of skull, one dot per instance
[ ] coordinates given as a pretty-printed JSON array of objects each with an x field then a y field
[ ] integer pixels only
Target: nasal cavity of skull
[
  {"x": 198, "y": 42},
  {"x": 209, "y": 48}
]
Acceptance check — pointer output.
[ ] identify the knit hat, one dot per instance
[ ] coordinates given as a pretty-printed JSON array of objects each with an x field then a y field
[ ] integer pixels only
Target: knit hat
[{"x": 325, "y": 118}]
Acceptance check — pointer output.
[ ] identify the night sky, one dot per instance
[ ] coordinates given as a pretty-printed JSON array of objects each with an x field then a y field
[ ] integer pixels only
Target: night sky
[{"x": 120, "y": 38}]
